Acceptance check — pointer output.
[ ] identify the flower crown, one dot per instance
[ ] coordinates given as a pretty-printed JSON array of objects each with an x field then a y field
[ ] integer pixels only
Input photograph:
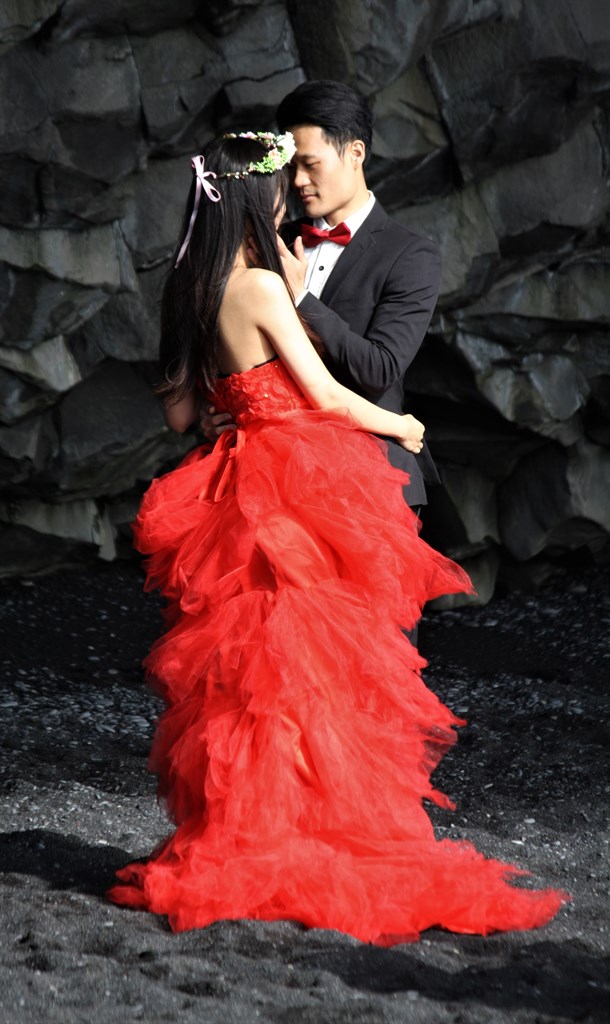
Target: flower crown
[{"x": 280, "y": 151}]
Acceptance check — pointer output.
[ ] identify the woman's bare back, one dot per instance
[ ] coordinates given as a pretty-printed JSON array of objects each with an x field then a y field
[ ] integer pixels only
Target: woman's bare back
[{"x": 243, "y": 342}]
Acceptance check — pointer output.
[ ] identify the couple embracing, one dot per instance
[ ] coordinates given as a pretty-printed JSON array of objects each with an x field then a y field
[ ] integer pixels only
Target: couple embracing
[
  {"x": 298, "y": 741},
  {"x": 372, "y": 307}
]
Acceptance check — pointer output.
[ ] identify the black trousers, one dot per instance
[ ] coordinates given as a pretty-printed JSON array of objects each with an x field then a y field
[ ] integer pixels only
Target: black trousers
[{"x": 411, "y": 634}]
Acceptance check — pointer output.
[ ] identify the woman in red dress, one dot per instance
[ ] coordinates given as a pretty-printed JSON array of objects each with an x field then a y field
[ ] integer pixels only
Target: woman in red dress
[{"x": 297, "y": 745}]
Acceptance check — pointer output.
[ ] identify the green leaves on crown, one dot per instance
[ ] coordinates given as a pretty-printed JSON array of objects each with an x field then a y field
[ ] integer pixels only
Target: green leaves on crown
[{"x": 281, "y": 149}]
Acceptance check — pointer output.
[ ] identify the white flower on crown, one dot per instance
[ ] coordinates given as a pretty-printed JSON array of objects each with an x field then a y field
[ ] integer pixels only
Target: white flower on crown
[{"x": 287, "y": 144}]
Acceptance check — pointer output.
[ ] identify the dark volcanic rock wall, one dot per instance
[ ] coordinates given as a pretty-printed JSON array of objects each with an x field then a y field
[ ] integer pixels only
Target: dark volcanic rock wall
[{"x": 492, "y": 136}]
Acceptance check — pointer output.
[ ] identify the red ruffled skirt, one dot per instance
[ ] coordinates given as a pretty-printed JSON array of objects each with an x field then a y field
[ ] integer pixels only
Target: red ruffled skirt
[{"x": 299, "y": 737}]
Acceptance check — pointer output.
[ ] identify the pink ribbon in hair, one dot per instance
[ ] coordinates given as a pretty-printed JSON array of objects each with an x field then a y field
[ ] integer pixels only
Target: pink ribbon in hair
[{"x": 201, "y": 184}]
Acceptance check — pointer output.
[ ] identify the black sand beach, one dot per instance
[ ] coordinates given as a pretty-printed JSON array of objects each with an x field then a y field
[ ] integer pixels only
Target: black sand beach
[{"x": 528, "y": 671}]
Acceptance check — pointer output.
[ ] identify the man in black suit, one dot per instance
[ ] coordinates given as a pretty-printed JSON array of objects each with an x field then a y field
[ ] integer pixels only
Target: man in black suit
[{"x": 369, "y": 292}]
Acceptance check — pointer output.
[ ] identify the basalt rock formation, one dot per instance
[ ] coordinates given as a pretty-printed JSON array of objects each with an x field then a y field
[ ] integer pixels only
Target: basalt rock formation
[{"x": 492, "y": 137}]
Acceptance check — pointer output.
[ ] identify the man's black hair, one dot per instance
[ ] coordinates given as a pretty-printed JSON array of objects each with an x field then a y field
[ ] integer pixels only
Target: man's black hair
[{"x": 341, "y": 113}]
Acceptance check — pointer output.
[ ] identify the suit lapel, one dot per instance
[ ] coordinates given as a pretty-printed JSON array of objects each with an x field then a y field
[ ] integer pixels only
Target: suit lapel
[{"x": 361, "y": 244}]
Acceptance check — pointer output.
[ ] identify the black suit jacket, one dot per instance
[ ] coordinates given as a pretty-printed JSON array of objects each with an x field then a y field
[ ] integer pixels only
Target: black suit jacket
[{"x": 372, "y": 316}]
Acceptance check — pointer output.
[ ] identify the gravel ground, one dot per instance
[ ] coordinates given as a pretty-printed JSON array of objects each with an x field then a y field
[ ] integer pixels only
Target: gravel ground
[{"x": 529, "y": 775}]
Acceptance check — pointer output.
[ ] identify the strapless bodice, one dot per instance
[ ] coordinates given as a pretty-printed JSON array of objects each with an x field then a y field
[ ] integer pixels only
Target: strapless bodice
[{"x": 262, "y": 392}]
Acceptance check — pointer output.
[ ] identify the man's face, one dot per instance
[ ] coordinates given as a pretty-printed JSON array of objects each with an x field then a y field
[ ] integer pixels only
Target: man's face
[{"x": 329, "y": 184}]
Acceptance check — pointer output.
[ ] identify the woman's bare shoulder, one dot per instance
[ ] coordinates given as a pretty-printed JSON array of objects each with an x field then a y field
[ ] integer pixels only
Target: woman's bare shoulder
[{"x": 259, "y": 282}]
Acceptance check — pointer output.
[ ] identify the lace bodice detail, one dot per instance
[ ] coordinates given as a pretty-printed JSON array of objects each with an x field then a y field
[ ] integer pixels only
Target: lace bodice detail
[{"x": 262, "y": 392}]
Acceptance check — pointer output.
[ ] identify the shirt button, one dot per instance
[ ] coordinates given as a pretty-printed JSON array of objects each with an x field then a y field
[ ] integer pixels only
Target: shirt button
[{"x": 320, "y": 268}]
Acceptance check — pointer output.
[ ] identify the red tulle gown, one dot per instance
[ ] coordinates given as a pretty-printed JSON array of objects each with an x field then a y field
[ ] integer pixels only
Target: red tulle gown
[{"x": 299, "y": 737}]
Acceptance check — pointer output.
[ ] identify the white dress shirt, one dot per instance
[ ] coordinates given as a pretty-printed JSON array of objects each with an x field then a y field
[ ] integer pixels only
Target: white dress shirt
[{"x": 321, "y": 258}]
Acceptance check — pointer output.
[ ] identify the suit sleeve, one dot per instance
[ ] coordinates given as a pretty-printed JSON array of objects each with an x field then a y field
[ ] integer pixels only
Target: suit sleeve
[{"x": 372, "y": 362}]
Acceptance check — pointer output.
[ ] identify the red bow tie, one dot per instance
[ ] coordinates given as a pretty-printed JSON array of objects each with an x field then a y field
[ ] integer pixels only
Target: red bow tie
[{"x": 340, "y": 235}]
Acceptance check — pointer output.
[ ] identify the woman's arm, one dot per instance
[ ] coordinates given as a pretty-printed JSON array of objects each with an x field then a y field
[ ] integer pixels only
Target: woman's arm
[
  {"x": 276, "y": 316},
  {"x": 181, "y": 414}
]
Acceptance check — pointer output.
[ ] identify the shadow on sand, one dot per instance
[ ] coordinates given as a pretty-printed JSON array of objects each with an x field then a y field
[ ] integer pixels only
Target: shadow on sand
[{"x": 552, "y": 978}]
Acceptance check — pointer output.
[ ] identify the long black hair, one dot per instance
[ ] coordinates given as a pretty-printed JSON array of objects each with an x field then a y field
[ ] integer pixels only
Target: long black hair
[{"x": 194, "y": 289}]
